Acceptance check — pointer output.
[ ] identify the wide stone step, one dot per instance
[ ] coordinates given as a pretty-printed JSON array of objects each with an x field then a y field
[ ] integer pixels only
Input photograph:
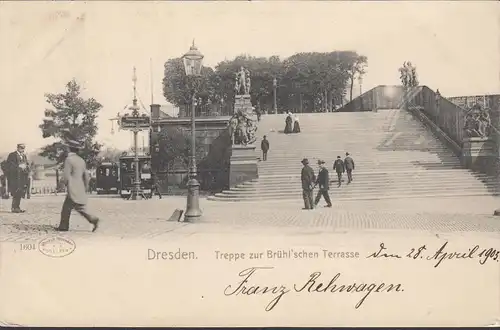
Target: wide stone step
[
  {"x": 362, "y": 187},
  {"x": 335, "y": 199},
  {"x": 435, "y": 174}
]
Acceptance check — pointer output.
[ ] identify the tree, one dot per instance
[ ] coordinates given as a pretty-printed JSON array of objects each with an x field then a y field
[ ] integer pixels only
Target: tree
[
  {"x": 356, "y": 69},
  {"x": 71, "y": 117},
  {"x": 175, "y": 148},
  {"x": 178, "y": 88},
  {"x": 305, "y": 80}
]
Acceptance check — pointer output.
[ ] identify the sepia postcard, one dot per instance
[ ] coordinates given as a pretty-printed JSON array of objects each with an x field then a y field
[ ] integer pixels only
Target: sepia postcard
[{"x": 250, "y": 163}]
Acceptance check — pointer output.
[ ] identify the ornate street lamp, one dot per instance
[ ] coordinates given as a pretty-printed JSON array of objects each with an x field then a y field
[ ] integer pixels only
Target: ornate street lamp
[
  {"x": 275, "y": 85},
  {"x": 192, "y": 64}
]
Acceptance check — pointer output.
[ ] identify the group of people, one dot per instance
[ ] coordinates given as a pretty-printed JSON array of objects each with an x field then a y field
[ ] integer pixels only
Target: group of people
[
  {"x": 310, "y": 180},
  {"x": 291, "y": 124},
  {"x": 75, "y": 176}
]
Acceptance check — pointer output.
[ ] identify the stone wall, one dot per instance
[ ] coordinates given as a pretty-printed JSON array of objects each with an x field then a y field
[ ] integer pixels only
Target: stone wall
[
  {"x": 378, "y": 98},
  {"x": 212, "y": 165}
]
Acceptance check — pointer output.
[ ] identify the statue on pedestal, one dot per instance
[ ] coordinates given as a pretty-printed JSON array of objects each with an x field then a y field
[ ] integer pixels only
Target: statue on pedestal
[
  {"x": 477, "y": 122},
  {"x": 242, "y": 83},
  {"x": 242, "y": 129},
  {"x": 242, "y": 126}
]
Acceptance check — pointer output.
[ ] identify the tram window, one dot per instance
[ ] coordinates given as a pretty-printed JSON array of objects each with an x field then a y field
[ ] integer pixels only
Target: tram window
[{"x": 107, "y": 172}]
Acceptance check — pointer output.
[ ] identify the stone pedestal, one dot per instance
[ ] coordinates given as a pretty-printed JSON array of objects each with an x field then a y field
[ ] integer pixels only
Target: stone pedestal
[
  {"x": 479, "y": 154},
  {"x": 243, "y": 164},
  {"x": 243, "y": 103}
]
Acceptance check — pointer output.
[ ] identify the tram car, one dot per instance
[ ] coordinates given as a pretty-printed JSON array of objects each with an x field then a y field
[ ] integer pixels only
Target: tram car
[
  {"x": 107, "y": 178},
  {"x": 127, "y": 175}
]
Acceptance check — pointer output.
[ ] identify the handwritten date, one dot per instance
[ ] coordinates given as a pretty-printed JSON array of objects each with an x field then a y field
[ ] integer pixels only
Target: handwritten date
[{"x": 439, "y": 255}]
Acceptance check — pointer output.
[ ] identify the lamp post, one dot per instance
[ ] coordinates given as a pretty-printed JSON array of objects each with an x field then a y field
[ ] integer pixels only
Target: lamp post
[
  {"x": 275, "y": 85},
  {"x": 135, "y": 123},
  {"x": 192, "y": 64}
]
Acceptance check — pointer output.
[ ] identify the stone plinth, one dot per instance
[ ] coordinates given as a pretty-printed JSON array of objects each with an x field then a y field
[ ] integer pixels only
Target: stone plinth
[
  {"x": 479, "y": 154},
  {"x": 243, "y": 164},
  {"x": 242, "y": 103}
]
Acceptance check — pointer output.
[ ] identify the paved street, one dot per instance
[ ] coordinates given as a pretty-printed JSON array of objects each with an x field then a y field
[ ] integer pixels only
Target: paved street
[{"x": 149, "y": 218}]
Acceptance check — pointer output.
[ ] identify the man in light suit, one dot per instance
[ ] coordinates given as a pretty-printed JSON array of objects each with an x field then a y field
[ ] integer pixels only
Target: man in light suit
[
  {"x": 76, "y": 178},
  {"x": 17, "y": 176}
]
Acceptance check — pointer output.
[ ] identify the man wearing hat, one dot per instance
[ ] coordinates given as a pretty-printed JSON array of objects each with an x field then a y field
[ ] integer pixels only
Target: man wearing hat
[
  {"x": 308, "y": 180},
  {"x": 324, "y": 184},
  {"x": 76, "y": 177},
  {"x": 339, "y": 167},
  {"x": 349, "y": 166},
  {"x": 17, "y": 176}
]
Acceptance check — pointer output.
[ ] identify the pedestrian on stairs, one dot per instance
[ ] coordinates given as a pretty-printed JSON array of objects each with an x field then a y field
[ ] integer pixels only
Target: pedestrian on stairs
[
  {"x": 339, "y": 167},
  {"x": 288, "y": 123},
  {"x": 264, "y": 145},
  {"x": 323, "y": 181},
  {"x": 296, "y": 125},
  {"x": 308, "y": 180},
  {"x": 349, "y": 166}
]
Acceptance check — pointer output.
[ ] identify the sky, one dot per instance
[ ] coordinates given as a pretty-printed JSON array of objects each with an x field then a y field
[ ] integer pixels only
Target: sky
[{"x": 454, "y": 45}]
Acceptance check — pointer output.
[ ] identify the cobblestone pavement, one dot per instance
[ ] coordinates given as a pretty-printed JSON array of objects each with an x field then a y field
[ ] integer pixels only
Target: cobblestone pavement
[{"x": 148, "y": 219}]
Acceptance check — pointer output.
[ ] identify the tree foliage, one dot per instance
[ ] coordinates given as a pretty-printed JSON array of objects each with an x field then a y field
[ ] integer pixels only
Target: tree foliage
[
  {"x": 305, "y": 81},
  {"x": 71, "y": 117},
  {"x": 175, "y": 149}
]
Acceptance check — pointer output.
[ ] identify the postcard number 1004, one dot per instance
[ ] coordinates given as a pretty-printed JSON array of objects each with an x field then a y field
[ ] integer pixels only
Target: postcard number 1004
[{"x": 28, "y": 246}]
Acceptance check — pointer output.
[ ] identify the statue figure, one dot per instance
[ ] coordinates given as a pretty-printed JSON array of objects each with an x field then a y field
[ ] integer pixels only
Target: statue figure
[
  {"x": 242, "y": 129},
  {"x": 237, "y": 85},
  {"x": 247, "y": 82},
  {"x": 477, "y": 122},
  {"x": 242, "y": 84}
]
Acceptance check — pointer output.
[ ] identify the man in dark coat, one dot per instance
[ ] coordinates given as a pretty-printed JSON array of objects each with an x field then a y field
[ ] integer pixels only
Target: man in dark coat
[
  {"x": 264, "y": 145},
  {"x": 308, "y": 179},
  {"x": 323, "y": 181},
  {"x": 349, "y": 166},
  {"x": 339, "y": 167},
  {"x": 17, "y": 176},
  {"x": 288, "y": 123}
]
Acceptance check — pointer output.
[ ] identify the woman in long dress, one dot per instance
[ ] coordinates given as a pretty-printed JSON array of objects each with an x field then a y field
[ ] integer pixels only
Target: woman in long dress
[
  {"x": 288, "y": 123},
  {"x": 296, "y": 125}
]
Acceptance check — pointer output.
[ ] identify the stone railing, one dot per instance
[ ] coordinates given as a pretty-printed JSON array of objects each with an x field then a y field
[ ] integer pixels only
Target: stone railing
[
  {"x": 448, "y": 122},
  {"x": 446, "y": 115}
]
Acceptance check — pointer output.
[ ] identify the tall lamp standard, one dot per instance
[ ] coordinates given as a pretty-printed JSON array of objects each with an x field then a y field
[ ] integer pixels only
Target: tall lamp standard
[
  {"x": 275, "y": 85},
  {"x": 192, "y": 64}
]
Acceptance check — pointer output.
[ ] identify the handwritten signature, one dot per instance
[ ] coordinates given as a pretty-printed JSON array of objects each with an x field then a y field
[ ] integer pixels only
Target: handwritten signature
[
  {"x": 314, "y": 284},
  {"x": 439, "y": 255}
]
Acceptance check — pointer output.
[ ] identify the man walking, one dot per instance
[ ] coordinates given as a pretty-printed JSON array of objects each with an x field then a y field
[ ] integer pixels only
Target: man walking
[
  {"x": 349, "y": 167},
  {"x": 264, "y": 145},
  {"x": 76, "y": 178},
  {"x": 308, "y": 179},
  {"x": 17, "y": 176},
  {"x": 339, "y": 167},
  {"x": 323, "y": 181}
]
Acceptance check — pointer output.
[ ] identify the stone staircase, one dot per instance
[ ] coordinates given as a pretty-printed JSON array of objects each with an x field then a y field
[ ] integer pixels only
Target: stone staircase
[{"x": 394, "y": 154}]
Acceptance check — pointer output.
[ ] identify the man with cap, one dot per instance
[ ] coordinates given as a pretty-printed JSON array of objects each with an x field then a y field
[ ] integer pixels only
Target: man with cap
[
  {"x": 76, "y": 177},
  {"x": 17, "y": 176},
  {"x": 323, "y": 181},
  {"x": 339, "y": 167},
  {"x": 349, "y": 166},
  {"x": 264, "y": 145},
  {"x": 308, "y": 179}
]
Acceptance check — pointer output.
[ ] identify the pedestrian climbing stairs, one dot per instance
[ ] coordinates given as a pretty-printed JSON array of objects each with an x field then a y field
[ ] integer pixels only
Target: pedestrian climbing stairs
[{"x": 395, "y": 157}]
